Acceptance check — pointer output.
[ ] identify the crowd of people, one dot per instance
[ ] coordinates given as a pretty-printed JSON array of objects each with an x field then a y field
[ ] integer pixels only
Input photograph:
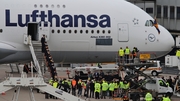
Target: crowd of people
[
  {"x": 97, "y": 87},
  {"x": 48, "y": 58},
  {"x": 125, "y": 54}
]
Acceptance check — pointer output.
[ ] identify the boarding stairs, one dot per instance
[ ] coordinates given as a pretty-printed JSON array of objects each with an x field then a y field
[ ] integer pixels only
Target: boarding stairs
[
  {"x": 14, "y": 68},
  {"x": 32, "y": 82},
  {"x": 40, "y": 57}
]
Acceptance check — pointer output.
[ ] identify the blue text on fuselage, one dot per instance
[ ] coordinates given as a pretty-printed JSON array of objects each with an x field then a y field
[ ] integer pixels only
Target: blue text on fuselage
[{"x": 65, "y": 20}]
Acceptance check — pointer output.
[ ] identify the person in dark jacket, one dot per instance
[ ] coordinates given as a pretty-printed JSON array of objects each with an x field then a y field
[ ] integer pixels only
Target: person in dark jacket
[
  {"x": 43, "y": 40},
  {"x": 87, "y": 89},
  {"x": 91, "y": 89}
]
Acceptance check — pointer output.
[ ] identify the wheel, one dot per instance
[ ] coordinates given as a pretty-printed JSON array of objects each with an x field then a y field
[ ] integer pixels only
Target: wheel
[{"x": 154, "y": 73}]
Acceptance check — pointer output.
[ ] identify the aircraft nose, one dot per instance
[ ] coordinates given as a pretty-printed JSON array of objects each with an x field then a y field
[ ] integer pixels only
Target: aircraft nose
[
  {"x": 168, "y": 39},
  {"x": 6, "y": 50}
]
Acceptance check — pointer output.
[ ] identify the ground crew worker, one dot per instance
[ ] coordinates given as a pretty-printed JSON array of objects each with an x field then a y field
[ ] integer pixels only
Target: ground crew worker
[
  {"x": 166, "y": 98},
  {"x": 134, "y": 52},
  {"x": 126, "y": 86},
  {"x": 51, "y": 81},
  {"x": 178, "y": 53},
  {"x": 92, "y": 89},
  {"x": 111, "y": 89},
  {"x": 69, "y": 84},
  {"x": 127, "y": 53},
  {"x": 97, "y": 90},
  {"x": 84, "y": 87},
  {"x": 167, "y": 84},
  {"x": 55, "y": 85},
  {"x": 104, "y": 89},
  {"x": 73, "y": 83},
  {"x": 116, "y": 86},
  {"x": 79, "y": 86},
  {"x": 121, "y": 55},
  {"x": 121, "y": 87},
  {"x": 160, "y": 82},
  {"x": 65, "y": 85},
  {"x": 99, "y": 65},
  {"x": 148, "y": 97}
]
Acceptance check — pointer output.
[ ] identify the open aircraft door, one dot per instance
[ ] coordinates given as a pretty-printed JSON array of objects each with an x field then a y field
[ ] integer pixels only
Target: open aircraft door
[
  {"x": 44, "y": 29},
  {"x": 123, "y": 32},
  {"x": 33, "y": 30}
]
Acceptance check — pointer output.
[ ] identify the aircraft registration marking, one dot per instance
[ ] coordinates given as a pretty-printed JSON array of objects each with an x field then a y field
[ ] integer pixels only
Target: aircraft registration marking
[{"x": 101, "y": 37}]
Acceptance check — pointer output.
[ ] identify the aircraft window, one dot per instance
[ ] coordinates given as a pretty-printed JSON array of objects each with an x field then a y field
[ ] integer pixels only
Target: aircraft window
[
  {"x": 58, "y": 31},
  {"x": 92, "y": 31},
  {"x": 35, "y": 6},
  {"x": 103, "y": 41},
  {"x": 41, "y": 5},
  {"x": 1, "y": 30},
  {"x": 52, "y": 31},
  {"x": 98, "y": 31},
  {"x": 64, "y": 31},
  {"x": 64, "y": 6},
  {"x": 58, "y": 6},
  {"x": 52, "y": 6},
  {"x": 151, "y": 22},
  {"x": 147, "y": 23},
  {"x": 75, "y": 31},
  {"x": 69, "y": 31},
  {"x": 86, "y": 31},
  {"x": 103, "y": 31},
  {"x": 47, "y": 6},
  {"x": 109, "y": 31},
  {"x": 81, "y": 31}
]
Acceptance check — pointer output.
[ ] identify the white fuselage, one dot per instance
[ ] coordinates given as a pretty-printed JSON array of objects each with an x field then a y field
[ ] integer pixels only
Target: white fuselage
[{"x": 76, "y": 25}]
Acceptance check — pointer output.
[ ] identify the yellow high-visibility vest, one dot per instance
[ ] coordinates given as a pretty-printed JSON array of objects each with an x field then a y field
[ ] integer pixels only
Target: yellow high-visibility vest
[
  {"x": 178, "y": 53},
  {"x": 148, "y": 97},
  {"x": 121, "y": 52},
  {"x": 55, "y": 84},
  {"x": 127, "y": 51}
]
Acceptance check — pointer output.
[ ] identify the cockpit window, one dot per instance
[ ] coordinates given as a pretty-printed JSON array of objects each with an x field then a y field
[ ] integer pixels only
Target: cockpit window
[{"x": 149, "y": 23}]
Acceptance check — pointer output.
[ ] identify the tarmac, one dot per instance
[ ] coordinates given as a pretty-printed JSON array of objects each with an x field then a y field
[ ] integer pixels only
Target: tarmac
[{"x": 24, "y": 93}]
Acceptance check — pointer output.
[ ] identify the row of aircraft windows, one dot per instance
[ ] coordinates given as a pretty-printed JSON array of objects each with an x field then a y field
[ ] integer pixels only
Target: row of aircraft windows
[
  {"x": 49, "y": 6},
  {"x": 81, "y": 31}
]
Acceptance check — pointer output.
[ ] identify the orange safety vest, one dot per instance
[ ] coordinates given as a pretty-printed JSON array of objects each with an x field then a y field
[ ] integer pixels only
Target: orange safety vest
[{"x": 73, "y": 83}]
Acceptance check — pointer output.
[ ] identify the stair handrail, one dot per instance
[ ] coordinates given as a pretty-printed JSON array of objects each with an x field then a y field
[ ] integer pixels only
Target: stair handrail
[{"x": 36, "y": 63}]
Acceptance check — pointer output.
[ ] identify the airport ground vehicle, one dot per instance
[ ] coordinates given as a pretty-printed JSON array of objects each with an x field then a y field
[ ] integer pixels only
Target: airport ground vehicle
[
  {"x": 153, "y": 70},
  {"x": 146, "y": 84},
  {"x": 83, "y": 71}
]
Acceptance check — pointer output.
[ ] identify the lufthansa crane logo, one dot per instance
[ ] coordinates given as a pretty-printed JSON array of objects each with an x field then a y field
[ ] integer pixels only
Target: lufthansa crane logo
[{"x": 151, "y": 37}]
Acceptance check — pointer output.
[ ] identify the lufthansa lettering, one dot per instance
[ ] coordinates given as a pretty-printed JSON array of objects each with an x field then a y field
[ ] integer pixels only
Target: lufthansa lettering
[{"x": 65, "y": 20}]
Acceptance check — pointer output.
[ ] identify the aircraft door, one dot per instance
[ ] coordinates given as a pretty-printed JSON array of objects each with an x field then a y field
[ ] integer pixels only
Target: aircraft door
[
  {"x": 123, "y": 32},
  {"x": 44, "y": 29},
  {"x": 33, "y": 31}
]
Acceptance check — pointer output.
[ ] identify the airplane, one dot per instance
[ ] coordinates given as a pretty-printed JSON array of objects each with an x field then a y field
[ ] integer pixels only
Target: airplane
[{"x": 79, "y": 31}]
